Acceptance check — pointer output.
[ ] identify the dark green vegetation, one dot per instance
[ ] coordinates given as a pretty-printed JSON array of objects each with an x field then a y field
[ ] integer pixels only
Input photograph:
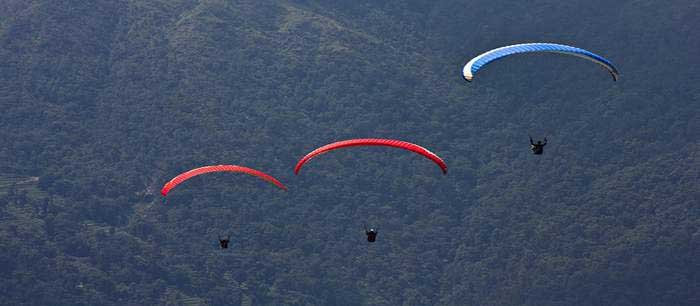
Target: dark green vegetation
[{"x": 105, "y": 100}]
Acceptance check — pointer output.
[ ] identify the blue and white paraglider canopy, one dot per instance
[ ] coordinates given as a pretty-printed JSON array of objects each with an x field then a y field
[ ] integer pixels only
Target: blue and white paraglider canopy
[{"x": 476, "y": 63}]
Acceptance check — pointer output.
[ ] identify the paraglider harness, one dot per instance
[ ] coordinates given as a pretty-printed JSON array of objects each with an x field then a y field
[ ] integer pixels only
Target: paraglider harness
[
  {"x": 537, "y": 148},
  {"x": 371, "y": 234},
  {"x": 224, "y": 242}
]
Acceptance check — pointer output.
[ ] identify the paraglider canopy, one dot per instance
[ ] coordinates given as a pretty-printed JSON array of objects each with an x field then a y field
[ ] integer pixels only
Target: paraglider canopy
[
  {"x": 373, "y": 142},
  {"x": 219, "y": 168},
  {"x": 475, "y": 64}
]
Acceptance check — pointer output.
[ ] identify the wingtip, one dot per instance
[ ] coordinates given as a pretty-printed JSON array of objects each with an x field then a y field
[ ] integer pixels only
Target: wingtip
[{"x": 298, "y": 166}]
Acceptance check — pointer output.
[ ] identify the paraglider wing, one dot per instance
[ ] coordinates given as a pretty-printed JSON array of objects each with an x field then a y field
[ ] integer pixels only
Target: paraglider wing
[
  {"x": 478, "y": 62},
  {"x": 373, "y": 142},
  {"x": 219, "y": 168}
]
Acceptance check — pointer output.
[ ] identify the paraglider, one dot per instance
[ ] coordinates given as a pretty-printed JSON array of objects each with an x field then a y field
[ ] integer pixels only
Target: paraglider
[
  {"x": 475, "y": 64},
  {"x": 373, "y": 142},
  {"x": 224, "y": 242},
  {"x": 371, "y": 234},
  {"x": 179, "y": 179},
  {"x": 537, "y": 148},
  {"x": 219, "y": 168}
]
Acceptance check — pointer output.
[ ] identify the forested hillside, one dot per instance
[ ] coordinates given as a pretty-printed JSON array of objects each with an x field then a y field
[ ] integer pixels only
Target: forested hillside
[{"x": 102, "y": 102}]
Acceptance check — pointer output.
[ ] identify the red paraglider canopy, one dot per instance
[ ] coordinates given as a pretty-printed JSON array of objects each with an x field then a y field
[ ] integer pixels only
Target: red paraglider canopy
[
  {"x": 219, "y": 168},
  {"x": 373, "y": 142}
]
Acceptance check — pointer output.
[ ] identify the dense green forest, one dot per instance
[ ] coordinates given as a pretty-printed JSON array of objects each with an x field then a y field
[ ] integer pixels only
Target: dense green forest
[{"x": 102, "y": 102}]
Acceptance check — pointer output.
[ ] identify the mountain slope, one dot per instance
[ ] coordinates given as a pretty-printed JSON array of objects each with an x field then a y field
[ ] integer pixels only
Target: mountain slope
[{"x": 105, "y": 101}]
